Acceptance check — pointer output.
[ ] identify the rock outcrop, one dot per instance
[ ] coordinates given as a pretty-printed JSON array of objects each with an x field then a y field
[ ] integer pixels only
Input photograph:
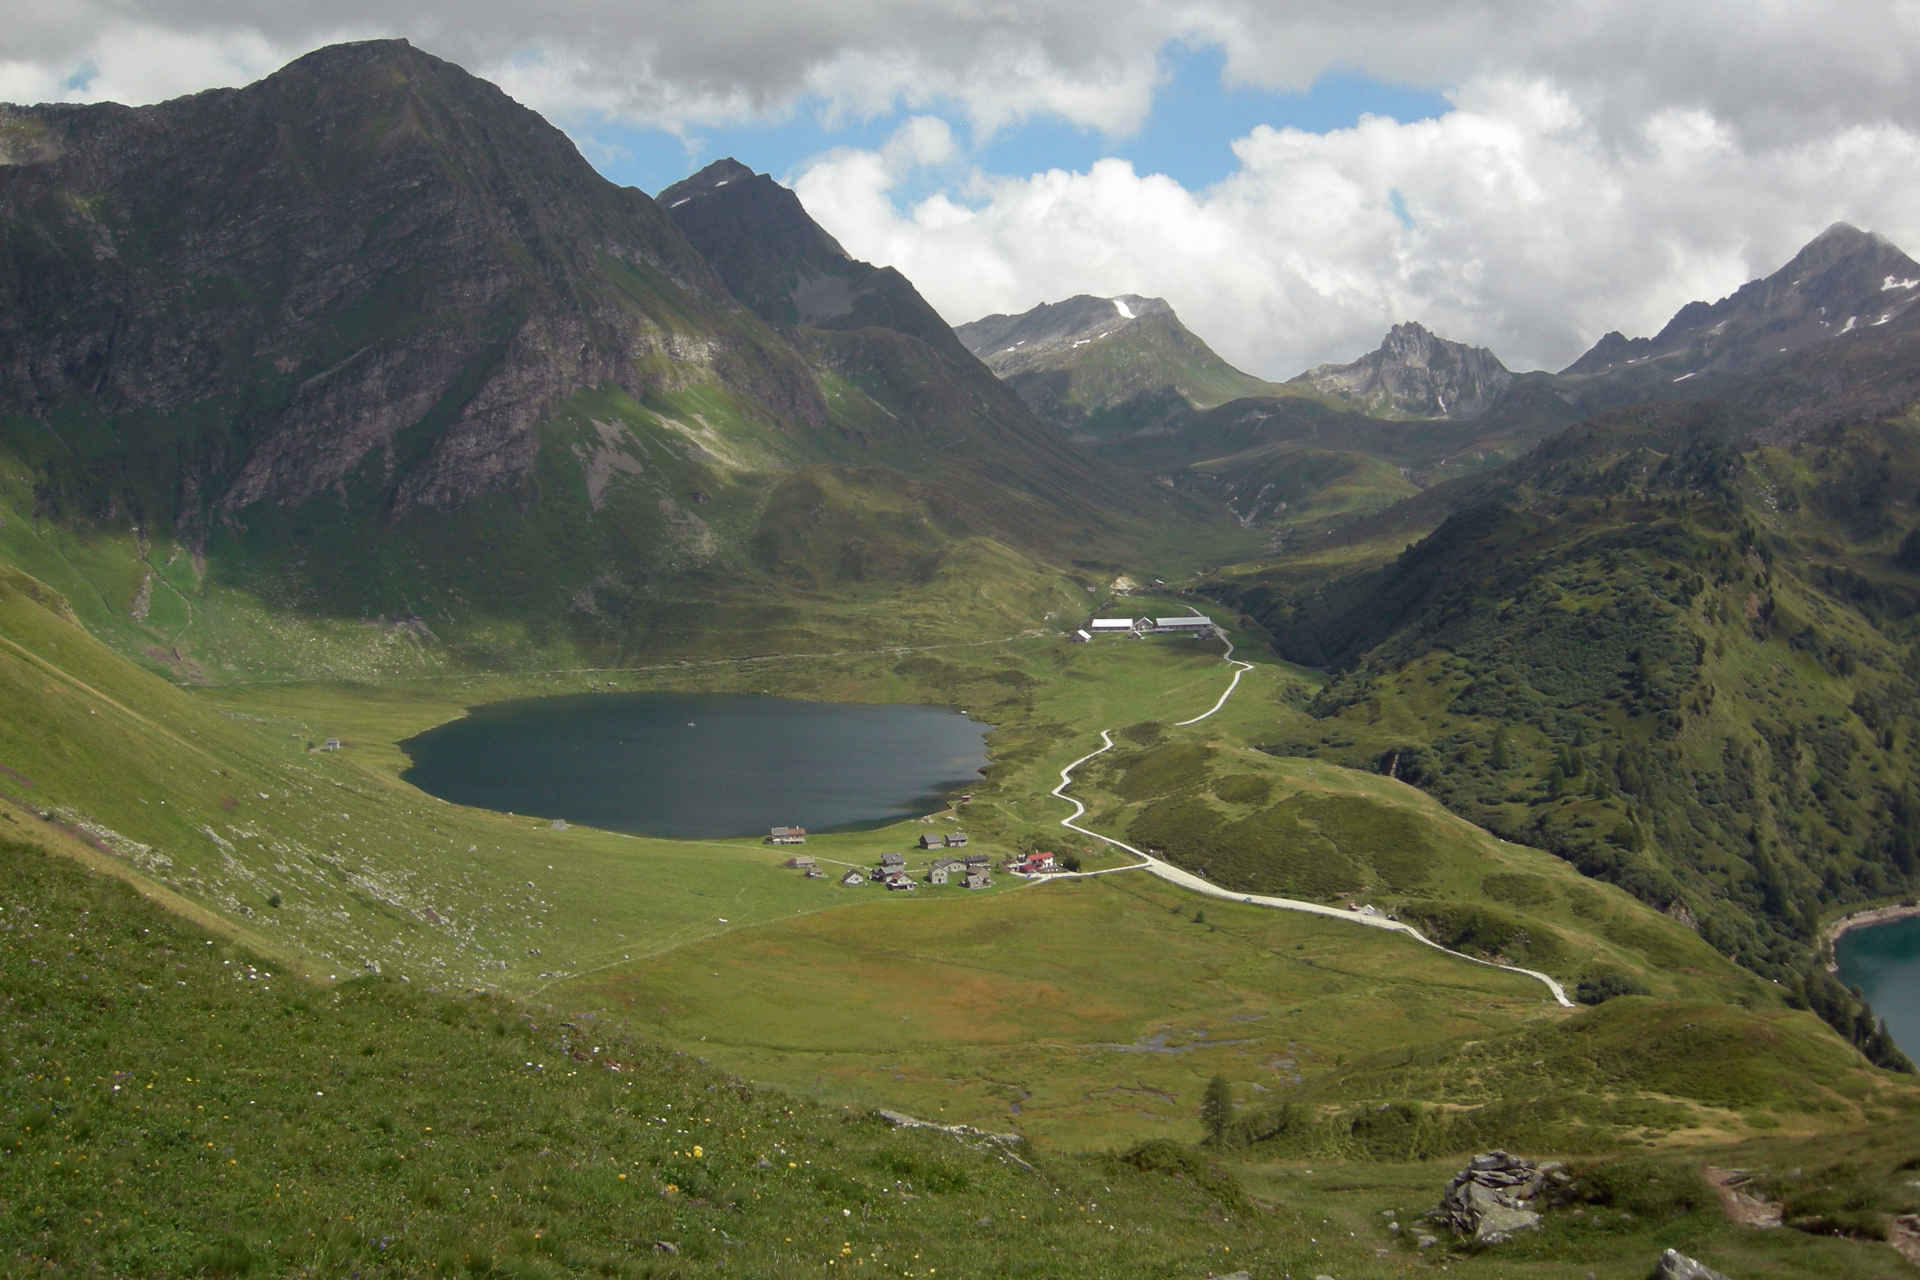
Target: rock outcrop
[
  {"x": 1674, "y": 1265},
  {"x": 1498, "y": 1195},
  {"x": 1414, "y": 373}
]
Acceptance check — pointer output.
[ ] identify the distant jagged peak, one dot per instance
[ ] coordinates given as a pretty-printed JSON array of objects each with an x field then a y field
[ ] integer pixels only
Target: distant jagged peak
[
  {"x": 1839, "y": 243},
  {"x": 1842, "y": 283},
  {"x": 1416, "y": 373},
  {"x": 1412, "y": 344},
  {"x": 721, "y": 173}
]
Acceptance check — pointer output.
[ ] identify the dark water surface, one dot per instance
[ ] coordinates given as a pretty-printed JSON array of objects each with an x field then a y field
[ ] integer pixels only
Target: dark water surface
[
  {"x": 1884, "y": 962},
  {"x": 700, "y": 765}
]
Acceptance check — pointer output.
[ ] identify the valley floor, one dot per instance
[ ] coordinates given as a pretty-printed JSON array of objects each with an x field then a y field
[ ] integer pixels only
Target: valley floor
[{"x": 1085, "y": 1014}]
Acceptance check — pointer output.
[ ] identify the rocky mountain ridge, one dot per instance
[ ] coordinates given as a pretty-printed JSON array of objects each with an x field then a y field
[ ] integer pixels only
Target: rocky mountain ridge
[
  {"x": 1843, "y": 282},
  {"x": 371, "y": 309},
  {"x": 1415, "y": 373}
]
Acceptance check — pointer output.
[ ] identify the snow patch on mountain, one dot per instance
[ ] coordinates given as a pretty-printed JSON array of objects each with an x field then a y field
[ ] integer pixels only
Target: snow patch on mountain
[{"x": 1120, "y": 305}]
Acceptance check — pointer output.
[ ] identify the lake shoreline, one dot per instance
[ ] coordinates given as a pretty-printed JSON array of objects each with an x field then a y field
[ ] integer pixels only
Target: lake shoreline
[{"x": 1864, "y": 919}]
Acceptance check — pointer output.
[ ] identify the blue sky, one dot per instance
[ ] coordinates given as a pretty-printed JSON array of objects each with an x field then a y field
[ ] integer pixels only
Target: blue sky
[
  {"x": 1294, "y": 178},
  {"x": 1188, "y": 135}
]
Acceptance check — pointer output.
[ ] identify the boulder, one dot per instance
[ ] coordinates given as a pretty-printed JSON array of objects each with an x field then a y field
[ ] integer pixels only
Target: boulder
[
  {"x": 1496, "y": 1196},
  {"x": 1674, "y": 1265}
]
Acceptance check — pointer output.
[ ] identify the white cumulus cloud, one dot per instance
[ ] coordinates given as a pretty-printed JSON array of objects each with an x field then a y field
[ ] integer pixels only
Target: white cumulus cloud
[{"x": 1516, "y": 220}]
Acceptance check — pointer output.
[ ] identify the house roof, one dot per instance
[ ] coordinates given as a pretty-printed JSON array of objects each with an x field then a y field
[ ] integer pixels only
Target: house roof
[
  {"x": 1112, "y": 624},
  {"x": 1183, "y": 622}
]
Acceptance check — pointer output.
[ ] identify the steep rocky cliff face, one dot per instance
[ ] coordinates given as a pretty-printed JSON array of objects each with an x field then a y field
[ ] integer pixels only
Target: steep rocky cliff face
[
  {"x": 370, "y": 269},
  {"x": 1413, "y": 373}
]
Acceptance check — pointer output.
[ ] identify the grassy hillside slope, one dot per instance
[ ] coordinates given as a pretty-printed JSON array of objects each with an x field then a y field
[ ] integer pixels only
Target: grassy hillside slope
[{"x": 1683, "y": 666}]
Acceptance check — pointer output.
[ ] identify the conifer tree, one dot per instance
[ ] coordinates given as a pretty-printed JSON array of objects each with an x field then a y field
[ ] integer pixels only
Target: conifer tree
[{"x": 1216, "y": 1108}]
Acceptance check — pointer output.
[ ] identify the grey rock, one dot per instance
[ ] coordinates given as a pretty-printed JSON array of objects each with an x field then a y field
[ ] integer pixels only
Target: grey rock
[
  {"x": 1674, "y": 1265},
  {"x": 1491, "y": 1199},
  {"x": 1415, "y": 373}
]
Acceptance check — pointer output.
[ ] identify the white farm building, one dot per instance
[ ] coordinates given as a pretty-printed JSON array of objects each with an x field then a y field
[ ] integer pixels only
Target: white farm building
[{"x": 1190, "y": 624}]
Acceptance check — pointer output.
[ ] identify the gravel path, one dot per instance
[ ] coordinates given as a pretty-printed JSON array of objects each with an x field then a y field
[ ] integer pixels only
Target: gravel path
[{"x": 1187, "y": 880}]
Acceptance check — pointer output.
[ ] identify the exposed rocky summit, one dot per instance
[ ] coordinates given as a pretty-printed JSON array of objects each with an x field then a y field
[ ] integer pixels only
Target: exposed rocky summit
[
  {"x": 1845, "y": 283},
  {"x": 1498, "y": 1195},
  {"x": 1413, "y": 373}
]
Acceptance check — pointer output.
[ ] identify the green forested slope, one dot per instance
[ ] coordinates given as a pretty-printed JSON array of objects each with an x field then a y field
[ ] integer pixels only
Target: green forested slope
[{"x": 1684, "y": 665}]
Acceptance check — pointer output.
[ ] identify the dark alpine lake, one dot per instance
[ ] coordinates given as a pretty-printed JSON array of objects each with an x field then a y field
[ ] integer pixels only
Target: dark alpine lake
[
  {"x": 700, "y": 765},
  {"x": 1884, "y": 962}
]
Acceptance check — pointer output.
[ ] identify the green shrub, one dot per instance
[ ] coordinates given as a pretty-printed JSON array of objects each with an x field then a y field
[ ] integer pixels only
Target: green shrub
[
  {"x": 1645, "y": 1187},
  {"x": 1244, "y": 788},
  {"x": 1603, "y": 985},
  {"x": 1160, "y": 1155}
]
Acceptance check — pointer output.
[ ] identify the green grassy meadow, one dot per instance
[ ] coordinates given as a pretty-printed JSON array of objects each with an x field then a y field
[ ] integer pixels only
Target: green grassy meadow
[{"x": 1085, "y": 1015}]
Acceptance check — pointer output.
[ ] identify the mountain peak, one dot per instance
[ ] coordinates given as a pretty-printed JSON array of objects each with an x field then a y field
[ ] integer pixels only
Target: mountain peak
[
  {"x": 343, "y": 62},
  {"x": 1843, "y": 231},
  {"x": 1103, "y": 364},
  {"x": 349, "y": 52},
  {"x": 1081, "y": 319},
  {"x": 787, "y": 269},
  {"x": 721, "y": 173},
  {"x": 1842, "y": 283},
  {"x": 1416, "y": 373},
  {"x": 1837, "y": 243}
]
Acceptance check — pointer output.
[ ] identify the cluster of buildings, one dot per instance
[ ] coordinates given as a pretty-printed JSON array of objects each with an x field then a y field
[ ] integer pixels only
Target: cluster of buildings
[
  {"x": 968, "y": 869},
  {"x": 1186, "y": 625}
]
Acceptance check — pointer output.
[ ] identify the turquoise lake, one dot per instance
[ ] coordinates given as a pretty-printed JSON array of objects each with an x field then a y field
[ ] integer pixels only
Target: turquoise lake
[
  {"x": 692, "y": 766},
  {"x": 1884, "y": 962}
]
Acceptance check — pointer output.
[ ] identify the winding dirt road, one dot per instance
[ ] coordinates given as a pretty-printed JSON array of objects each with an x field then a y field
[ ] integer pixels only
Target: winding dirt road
[{"x": 1187, "y": 880}]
